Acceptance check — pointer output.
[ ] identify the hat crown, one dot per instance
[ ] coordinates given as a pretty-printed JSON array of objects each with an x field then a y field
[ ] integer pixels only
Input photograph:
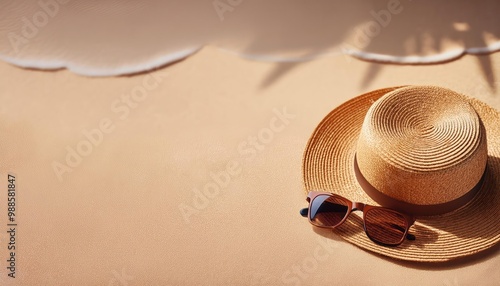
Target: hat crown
[{"x": 422, "y": 145}]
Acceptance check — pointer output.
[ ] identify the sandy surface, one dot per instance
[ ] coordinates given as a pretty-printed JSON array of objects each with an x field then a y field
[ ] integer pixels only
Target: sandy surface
[{"x": 109, "y": 173}]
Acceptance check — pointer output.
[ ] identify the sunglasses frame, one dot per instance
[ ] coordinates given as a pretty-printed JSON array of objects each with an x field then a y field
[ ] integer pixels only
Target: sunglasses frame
[{"x": 355, "y": 206}]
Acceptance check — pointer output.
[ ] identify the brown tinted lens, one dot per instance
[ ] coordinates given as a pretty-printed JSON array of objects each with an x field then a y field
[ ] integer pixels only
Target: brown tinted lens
[
  {"x": 385, "y": 226},
  {"x": 326, "y": 210}
]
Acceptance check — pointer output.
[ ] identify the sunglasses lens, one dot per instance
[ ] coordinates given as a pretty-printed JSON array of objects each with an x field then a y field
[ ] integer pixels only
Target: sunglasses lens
[
  {"x": 326, "y": 210},
  {"x": 385, "y": 226}
]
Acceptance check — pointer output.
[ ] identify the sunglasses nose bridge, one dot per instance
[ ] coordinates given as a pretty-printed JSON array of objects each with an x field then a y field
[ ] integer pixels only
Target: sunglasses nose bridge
[{"x": 358, "y": 206}]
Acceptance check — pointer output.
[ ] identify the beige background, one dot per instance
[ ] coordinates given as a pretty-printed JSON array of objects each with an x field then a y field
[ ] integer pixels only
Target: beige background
[{"x": 115, "y": 219}]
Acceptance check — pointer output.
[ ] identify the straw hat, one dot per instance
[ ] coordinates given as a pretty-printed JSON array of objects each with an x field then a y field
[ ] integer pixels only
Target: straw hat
[{"x": 424, "y": 150}]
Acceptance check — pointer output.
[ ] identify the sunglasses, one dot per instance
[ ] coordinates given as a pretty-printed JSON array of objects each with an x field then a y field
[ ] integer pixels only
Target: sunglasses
[{"x": 382, "y": 225}]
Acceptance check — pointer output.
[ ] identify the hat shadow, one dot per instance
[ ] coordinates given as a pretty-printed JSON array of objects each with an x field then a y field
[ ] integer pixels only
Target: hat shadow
[
  {"x": 418, "y": 231},
  {"x": 451, "y": 264},
  {"x": 492, "y": 178}
]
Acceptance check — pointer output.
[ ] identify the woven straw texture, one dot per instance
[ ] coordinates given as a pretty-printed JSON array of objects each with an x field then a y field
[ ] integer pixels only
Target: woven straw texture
[{"x": 328, "y": 165}]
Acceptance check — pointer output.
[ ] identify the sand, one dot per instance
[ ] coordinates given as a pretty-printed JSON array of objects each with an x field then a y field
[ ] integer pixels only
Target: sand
[
  {"x": 191, "y": 174},
  {"x": 160, "y": 142}
]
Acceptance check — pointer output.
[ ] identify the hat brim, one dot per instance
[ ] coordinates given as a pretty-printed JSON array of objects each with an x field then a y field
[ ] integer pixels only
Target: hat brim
[{"x": 328, "y": 165}]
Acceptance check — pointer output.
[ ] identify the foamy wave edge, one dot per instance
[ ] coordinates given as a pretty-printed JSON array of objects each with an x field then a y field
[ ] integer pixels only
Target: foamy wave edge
[{"x": 169, "y": 58}]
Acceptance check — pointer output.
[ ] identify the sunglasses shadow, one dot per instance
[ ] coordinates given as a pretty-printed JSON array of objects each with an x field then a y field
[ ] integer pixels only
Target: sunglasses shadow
[{"x": 354, "y": 224}]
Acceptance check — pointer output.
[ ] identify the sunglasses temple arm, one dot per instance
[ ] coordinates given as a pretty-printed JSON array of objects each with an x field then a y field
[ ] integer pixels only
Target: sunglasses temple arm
[
  {"x": 410, "y": 236},
  {"x": 304, "y": 211}
]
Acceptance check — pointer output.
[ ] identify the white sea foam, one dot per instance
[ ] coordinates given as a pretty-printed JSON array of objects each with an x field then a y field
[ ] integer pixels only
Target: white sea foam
[
  {"x": 92, "y": 71},
  {"x": 102, "y": 71},
  {"x": 495, "y": 47},
  {"x": 380, "y": 58}
]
